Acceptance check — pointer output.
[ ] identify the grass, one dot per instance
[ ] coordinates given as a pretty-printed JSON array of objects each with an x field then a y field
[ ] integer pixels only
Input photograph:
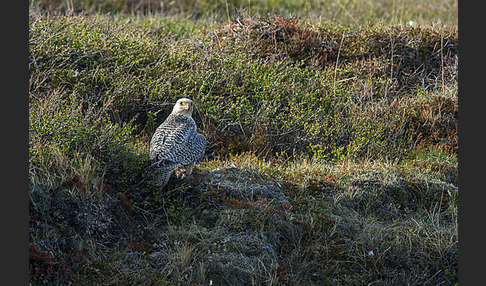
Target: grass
[
  {"x": 367, "y": 221},
  {"x": 348, "y": 13},
  {"x": 346, "y": 106}
]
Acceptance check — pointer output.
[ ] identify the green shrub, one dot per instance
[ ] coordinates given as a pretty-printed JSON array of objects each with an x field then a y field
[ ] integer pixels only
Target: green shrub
[
  {"x": 69, "y": 141},
  {"x": 266, "y": 84},
  {"x": 355, "y": 122}
]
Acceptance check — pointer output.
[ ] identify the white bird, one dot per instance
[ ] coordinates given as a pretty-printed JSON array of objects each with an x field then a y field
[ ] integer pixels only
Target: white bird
[{"x": 176, "y": 143}]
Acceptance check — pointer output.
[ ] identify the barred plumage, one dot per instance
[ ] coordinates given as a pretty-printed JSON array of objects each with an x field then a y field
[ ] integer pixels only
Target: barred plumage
[{"x": 176, "y": 143}]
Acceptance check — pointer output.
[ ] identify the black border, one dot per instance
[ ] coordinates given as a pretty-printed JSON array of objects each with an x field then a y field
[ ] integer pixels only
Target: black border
[
  {"x": 471, "y": 144},
  {"x": 15, "y": 125}
]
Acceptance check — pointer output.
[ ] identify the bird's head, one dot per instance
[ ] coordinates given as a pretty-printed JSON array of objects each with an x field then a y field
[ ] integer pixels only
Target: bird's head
[{"x": 183, "y": 106}]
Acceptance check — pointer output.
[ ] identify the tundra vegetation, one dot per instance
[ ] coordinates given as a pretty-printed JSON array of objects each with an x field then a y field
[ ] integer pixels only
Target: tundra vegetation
[{"x": 332, "y": 142}]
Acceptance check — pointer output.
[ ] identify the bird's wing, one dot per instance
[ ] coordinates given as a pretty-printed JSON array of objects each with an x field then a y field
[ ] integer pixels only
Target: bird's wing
[
  {"x": 199, "y": 147},
  {"x": 168, "y": 147},
  {"x": 194, "y": 148}
]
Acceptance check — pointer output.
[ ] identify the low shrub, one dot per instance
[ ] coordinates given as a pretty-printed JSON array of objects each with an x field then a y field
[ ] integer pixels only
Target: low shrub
[{"x": 355, "y": 127}]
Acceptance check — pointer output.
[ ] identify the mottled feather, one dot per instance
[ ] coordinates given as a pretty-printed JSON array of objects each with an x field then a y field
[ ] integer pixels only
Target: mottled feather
[{"x": 176, "y": 142}]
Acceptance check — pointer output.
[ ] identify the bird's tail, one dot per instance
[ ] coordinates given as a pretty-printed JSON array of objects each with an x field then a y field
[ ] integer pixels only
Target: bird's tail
[{"x": 162, "y": 177}]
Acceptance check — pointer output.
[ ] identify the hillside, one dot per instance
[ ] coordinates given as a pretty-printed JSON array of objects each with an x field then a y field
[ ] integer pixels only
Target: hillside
[{"x": 332, "y": 146}]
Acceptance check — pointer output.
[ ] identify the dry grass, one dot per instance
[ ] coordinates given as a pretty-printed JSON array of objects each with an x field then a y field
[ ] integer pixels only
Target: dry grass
[
  {"x": 348, "y": 13},
  {"x": 353, "y": 122},
  {"x": 384, "y": 220}
]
